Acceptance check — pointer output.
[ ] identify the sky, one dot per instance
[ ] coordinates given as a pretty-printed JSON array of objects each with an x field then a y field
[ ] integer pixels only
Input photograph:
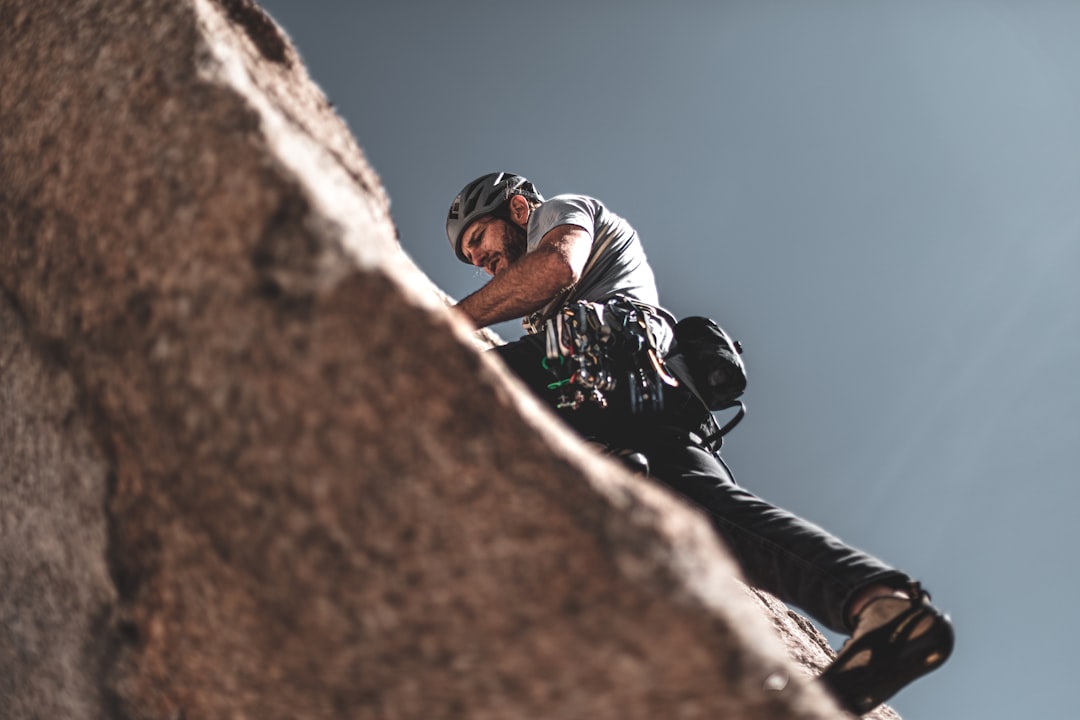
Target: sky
[{"x": 880, "y": 200}]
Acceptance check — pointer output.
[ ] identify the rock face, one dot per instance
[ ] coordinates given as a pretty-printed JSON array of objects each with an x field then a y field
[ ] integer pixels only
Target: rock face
[{"x": 241, "y": 476}]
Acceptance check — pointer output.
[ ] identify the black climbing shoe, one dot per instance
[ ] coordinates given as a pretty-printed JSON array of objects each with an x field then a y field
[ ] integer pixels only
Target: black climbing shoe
[
  {"x": 896, "y": 640},
  {"x": 635, "y": 461}
]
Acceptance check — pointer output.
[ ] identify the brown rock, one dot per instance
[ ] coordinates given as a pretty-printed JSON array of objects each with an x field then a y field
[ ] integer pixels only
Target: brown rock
[
  {"x": 56, "y": 596},
  {"x": 242, "y": 474}
]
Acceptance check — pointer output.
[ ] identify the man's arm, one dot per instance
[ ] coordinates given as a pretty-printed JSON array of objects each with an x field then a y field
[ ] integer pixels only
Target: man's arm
[{"x": 528, "y": 284}]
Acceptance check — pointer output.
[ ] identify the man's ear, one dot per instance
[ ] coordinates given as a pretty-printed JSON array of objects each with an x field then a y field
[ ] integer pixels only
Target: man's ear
[{"x": 520, "y": 210}]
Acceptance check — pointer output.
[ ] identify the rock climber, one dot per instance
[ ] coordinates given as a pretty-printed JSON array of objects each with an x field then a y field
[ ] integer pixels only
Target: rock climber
[{"x": 545, "y": 255}]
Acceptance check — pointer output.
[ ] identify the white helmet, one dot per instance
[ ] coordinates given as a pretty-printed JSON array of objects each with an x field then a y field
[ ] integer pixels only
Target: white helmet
[{"x": 484, "y": 196}]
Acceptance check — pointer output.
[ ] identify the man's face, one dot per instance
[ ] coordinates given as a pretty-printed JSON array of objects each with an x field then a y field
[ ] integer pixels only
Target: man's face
[{"x": 493, "y": 244}]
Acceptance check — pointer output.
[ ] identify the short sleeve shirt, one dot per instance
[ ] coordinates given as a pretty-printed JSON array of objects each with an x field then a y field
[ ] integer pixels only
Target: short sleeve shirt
[{"x": 617, "y": 263}]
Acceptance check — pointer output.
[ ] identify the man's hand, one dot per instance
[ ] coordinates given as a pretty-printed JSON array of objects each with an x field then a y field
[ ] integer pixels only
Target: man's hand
[{"x": 530, "y": 283}]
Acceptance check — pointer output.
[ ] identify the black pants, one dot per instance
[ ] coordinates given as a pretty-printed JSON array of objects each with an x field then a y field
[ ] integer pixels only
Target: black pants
[{"x": 779, "y": 552}]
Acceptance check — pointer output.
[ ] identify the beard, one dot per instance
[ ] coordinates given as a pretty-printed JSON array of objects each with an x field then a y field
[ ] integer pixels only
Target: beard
[{"x": 515, "y": 243}]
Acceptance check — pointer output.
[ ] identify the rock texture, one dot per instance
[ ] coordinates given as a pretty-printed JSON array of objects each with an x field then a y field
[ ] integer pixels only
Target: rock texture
[{"x": 241, "y": 471}]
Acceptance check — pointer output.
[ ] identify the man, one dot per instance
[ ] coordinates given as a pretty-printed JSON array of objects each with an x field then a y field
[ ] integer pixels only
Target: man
[{"x": 543, "y": 255}]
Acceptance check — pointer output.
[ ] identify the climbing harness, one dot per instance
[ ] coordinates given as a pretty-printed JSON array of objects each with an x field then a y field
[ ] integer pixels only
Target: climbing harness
[
  {"x": 598, "y": 349},
  {"x": 608, "y": 353}
]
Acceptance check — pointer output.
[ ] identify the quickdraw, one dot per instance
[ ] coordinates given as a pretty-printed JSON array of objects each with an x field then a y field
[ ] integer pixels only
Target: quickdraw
[{"x": 600, "y": 347}]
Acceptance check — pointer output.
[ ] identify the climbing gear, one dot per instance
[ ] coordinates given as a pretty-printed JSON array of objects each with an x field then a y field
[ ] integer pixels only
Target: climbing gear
[
  {"x": 597, "y": 352},
  {"x": 709, "y": 363},
  {"x": 595, "y": 349},
  {"x": 484, "y": 196},
  {"x": 713, "y": 358},
  {"x": 896, "y": 640}
]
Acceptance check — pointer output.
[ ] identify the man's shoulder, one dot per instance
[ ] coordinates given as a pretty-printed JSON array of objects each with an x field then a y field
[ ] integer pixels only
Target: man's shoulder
[
  {"x": 568, "y": 209},
  {"x": 573, "y": 200}
]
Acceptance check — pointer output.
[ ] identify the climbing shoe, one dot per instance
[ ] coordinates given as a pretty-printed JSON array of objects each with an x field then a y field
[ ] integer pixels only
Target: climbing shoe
[
  {"x": 896, "y": 640},
  {"x": 632, "y": 459}
]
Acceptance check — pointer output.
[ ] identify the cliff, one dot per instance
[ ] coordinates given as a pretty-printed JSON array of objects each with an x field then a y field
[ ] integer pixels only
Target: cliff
[{"x": 241, "y": 474}]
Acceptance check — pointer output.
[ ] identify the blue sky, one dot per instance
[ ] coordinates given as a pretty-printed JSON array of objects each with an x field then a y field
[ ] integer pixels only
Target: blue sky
[{"x": 881, "y": 200}]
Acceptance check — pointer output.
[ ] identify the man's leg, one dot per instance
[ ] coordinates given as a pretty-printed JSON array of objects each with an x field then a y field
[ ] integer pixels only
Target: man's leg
[
  {"x": 897, "y": 635},
  {"x": 526, "y": 357},
  {"x": 778, "y": 551},
  {"x": 783, "y": 554}
]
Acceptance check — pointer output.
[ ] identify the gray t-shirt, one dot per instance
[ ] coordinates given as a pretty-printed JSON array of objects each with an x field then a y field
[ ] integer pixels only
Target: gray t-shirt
[{"x": 616, "y": 264}]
